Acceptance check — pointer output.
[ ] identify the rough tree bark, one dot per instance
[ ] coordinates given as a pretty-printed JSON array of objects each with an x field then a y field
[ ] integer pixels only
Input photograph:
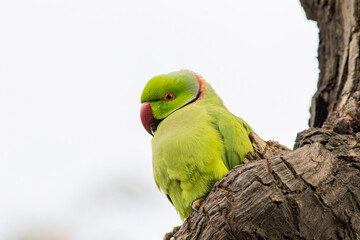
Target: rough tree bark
[{"x": 312, "y": 192}]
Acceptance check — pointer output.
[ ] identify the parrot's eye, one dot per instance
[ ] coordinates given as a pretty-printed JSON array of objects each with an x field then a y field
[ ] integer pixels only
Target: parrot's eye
[{"x": 169, "y": 97}]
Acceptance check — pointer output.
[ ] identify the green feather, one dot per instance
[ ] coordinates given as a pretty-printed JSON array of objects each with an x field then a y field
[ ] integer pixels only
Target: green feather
[
  {"x": 195, "y": 144},
  {"x": 235, "y": 136}
]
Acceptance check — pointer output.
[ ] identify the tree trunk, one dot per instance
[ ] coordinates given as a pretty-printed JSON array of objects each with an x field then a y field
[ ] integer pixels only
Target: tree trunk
[{"x": 312, "y": 192}]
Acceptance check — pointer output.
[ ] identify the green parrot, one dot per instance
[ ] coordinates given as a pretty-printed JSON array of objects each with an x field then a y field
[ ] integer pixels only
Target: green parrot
[{"x": 196, "y": 140}]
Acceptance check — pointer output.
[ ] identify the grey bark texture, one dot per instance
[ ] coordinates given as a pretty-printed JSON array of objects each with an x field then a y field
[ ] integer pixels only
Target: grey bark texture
[
  {"x": 338, "y": 54},
  {"x": 312, "y": 192}
]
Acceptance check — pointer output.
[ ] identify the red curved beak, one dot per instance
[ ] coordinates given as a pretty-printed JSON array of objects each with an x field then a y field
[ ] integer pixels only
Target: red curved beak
[{"x": 147, "y": 117}]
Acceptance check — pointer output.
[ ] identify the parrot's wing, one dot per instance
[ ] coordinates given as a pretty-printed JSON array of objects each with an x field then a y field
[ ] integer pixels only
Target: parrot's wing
[
  {"x": 235, "y": 134},
  {"x": 244, "y": 124}
]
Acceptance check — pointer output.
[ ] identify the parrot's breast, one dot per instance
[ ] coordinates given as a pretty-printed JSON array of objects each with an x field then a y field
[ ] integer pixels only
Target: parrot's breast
[{"x": 187, "y": 156}]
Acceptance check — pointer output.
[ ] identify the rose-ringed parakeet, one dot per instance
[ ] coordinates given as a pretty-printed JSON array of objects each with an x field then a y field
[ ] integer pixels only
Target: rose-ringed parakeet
[{"x": 196, "y": 140}]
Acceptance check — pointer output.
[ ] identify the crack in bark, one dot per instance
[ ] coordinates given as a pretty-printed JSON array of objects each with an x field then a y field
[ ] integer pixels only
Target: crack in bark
[
  {"x": 313, "y": 188},
  {"x": 258, "y": 179},
  {"x": 199, "y": 227},
  {"x": 322, "y": 202},
  {"x": 355, "y": 199},
  {"x": 349, "y": 158},
  {"x": 290, "y": 167},
  {"x": 291, "y": 237},
  {"x": 295, "y": 211},
  {"x": 231, "y": 221},
  {"x": 356, "y": 166},
  {"x": 277, "y": 180},
  {"x": 343, "y": 72},
  {"x": 209, "y": 220},
  {"x": 351, "y": 232}
]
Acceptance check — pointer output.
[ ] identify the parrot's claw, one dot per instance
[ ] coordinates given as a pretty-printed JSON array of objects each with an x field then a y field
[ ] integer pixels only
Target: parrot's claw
[
  {"x": 170, "y": 235},
  {"x": 197, "y": 203}
]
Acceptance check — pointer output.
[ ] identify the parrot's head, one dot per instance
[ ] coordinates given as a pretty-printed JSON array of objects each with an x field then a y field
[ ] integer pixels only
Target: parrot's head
[{"x": 164, "y": 94}]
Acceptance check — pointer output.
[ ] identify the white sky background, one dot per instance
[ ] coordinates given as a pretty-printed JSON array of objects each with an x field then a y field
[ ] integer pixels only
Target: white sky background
[{"x": 75, "y": 161}]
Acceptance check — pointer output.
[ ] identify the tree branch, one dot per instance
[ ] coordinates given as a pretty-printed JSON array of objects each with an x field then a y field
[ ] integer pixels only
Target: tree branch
[{"x": 310, "y": 193}]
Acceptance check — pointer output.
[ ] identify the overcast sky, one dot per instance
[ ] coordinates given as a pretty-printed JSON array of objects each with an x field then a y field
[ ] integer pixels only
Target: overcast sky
[{"x": 75, "y": 162}]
